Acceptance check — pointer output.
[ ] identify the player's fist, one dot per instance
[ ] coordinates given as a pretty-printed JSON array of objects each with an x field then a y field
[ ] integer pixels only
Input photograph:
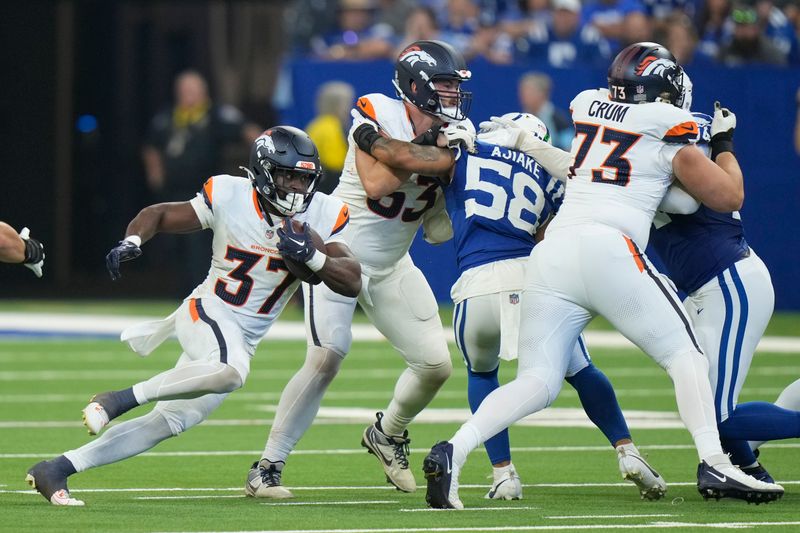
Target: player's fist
[
  {"x": 365, "y": 136},
  {"x": 457, "y": 134},
  {"x": 124, "y": 251},
  {"x": 296, "y": 245},
  {"x": 724, "y": 121},
  {"x": 34, "y": 252}
]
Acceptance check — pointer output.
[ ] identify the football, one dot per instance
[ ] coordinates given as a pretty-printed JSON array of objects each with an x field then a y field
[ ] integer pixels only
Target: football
[{"x": 300, "y": 270}]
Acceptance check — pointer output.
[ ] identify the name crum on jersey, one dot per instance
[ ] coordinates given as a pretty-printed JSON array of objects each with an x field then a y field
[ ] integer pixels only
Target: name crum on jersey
[
  {"x": 608, "y": 111},
  {"x": 518, "y": 157}
]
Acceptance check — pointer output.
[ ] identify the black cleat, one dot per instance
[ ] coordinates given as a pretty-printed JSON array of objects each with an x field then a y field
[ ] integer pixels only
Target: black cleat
[
  {"x": 727, "y": 481},
  {"x": 442, "y": 490},
  {"x": 48, "y": 478}
]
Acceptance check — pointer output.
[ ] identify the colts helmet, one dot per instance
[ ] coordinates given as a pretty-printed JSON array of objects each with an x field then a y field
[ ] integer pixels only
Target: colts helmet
[
  {"x": 288, "y": 152},
  {"x": 646, "y": 72},
  {"x": 424, "y": 62},
  {"x": 530, "y": 123}
]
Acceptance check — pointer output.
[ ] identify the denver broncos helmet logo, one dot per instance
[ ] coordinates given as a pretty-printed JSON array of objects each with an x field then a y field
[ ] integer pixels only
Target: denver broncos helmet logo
[
  {"x": 414, "y": 55},
  {"x": 653, "y": 66},
  {"x": 265, "y": 142}
]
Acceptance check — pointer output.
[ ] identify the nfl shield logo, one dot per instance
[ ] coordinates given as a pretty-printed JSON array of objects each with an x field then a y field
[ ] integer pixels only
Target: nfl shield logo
[
  {"x": 270, "y": 234},
  {"x": 513, "y": 299}
]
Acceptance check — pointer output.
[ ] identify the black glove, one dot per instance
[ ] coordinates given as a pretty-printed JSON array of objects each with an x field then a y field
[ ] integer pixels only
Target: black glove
[
  {"x": 124, "y": 251},
  {"x": 34, "y": 251},
  {"x": 365, "y": 136},
  {"x": 296, "y": 246},
  {"x": 429, "y": 136}
]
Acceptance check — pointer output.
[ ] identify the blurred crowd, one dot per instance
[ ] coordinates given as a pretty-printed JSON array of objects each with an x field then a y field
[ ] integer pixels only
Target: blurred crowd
[{"x": 562, "y": 33}]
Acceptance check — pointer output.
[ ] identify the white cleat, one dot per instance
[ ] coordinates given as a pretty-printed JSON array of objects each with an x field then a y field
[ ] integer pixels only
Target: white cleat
[
  {"x": 62, "y": 497},
  {"x": 264, "y": 481},
  {"x": 95, "y": 418},
  {"x": 635, "y": 469},
  {"x": 506, "y": 486},
  {"x": 392, "y": 453}
]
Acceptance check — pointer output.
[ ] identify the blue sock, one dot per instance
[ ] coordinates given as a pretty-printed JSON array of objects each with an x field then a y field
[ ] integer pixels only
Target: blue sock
[
  {"x": 600, "y": 403},
  {"x": 760, "y": 421},
  {"x": 479, "y": 386},
  {"x": 739, "y": 450}
]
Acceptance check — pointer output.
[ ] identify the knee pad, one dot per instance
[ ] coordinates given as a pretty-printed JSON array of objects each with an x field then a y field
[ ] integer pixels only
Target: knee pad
[
  {"x": 324, "y": 362},
  {"x": 484, "y": 363},
  {"x": 551, "y": 383},
  {"x": 180, "y": 414},
  {"x": 692, "y": 358},
  {"x": 339, "y": 340},
  {"x": 434, "y": 374}
]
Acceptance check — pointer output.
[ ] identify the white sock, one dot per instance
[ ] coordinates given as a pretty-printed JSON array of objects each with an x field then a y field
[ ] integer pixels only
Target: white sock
[
  {"x": 689, "y": 374},
  {"x": 788, "y": 399},
  {"x": 414, "y": 390},
  {"x": 300, "y": 401},
  {"x": 513, "y": 401},
  {"x": 121, "y": 441}
]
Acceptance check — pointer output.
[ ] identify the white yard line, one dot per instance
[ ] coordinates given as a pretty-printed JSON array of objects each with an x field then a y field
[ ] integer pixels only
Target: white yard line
[
  {"x": 559, "y": 527},
  {"x": 352, "y": 502},
  {"x": 502, "y": 508},
  {"x": 68, "y": 325},
  {"x": 594, "y": 516}
]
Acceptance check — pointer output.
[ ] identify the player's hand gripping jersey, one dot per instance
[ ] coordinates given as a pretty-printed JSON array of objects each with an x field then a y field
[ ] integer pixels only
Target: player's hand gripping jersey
[
  {"x": 623, "y": 162},
  {"x": 381, "y": 231},
  {"x": 247, "y": 271}
]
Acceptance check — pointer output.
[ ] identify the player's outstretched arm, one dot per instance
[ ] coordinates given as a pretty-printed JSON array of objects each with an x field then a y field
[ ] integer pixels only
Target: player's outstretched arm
[
  {"x": 402, "y": 155},
  {"x": 378, "y": 179},
  {"x": 718, "y": 184},
  {"x": 12, "y": 247},
  {"x": 341, "y": 271},
  {"x": 168, "y": 217}
]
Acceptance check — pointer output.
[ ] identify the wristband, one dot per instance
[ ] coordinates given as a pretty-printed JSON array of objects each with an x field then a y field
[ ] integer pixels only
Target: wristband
[
  {"x": 720, "y": 143},
  {"x": 365, "y": 136},
  {"x": 33, "y": 252},
  {"x": 134, "y": 239},
  {"x": 317, "y": 261}
]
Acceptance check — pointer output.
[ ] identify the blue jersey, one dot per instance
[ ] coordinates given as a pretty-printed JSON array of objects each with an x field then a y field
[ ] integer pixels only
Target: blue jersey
[
  {"x": 696, "y": 247},
  {"x": 497, "y": 200}
]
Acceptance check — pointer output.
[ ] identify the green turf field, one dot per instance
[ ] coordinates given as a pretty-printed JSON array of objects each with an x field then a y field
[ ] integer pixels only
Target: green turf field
[{"x": 194, "y": 482}]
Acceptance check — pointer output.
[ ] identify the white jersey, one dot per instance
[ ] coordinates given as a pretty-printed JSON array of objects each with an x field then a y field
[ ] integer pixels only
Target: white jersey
[
  {"x": 381, "y": 231},
  {"x": 623, "y": 162},
  {"x": 247, "y": 271}
]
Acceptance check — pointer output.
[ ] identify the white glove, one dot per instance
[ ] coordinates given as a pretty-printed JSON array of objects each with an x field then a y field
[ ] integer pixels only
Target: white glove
[
  {"x": 508, "y": 133},
  {"x": 678, "y": 201},
  {"x": 436, "y": 224},
  {"x": 724, "y": 120},
  {"x": 25, "y": 235},
  {"x": 457, "y": 133}
]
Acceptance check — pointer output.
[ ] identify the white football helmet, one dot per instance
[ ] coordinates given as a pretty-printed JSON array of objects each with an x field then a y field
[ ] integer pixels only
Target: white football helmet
[{"x": 531, "y": 123}]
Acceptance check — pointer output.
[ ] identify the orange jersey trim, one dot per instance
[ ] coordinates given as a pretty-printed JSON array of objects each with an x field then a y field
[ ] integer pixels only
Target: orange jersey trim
[
  {"x": 636, "y": 255},
  {"x": 683, "y": 132},
  {"x": 341, "y": 220},
  {"x": 193, "y": 310},
  {"x": 366, "y": 108},
  {"x": 208, "y": 191}
]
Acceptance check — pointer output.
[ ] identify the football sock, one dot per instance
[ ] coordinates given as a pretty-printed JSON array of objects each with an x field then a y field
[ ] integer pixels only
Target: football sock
[
  {"x": 121, "y": 441},
  {"x": 689, "y": 372},
  {"x": 788, "y": 399},
  {"x": 414, "y": 390},
  {"x": 65, "y": 467},
  {"x": 600, "y": 403},
  {"x": 189, "y": 380},
  {"x": 117, "y": 403},
  {"x": 479, "y": 386},
  {"x": 760, "y": 421},
  {"x": 740, "y": 452},
  {"x": 513, "y": 401},
  {"x": 300, "y": 401}
]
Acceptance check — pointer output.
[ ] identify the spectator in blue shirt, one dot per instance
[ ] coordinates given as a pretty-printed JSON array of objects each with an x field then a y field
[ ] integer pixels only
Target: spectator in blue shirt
[
  {"x": 563, "y": 43},
  {"x": 607, "y": 17},
  {"x": 779, "y": 30},
  {"x": 534, "y": 91},
  {"x": 356, "y": 37}
]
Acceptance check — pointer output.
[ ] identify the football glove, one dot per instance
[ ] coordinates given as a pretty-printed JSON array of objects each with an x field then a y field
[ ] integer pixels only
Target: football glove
[
  {"x": 457, "y": 134},
  {"x": 293, "y": 245},
  {"x": 34, "y": 252},
  {"x": 365, "y": 136},
  {"x": 124, "y": 251},
  {"x": 722, "y": 127}
]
